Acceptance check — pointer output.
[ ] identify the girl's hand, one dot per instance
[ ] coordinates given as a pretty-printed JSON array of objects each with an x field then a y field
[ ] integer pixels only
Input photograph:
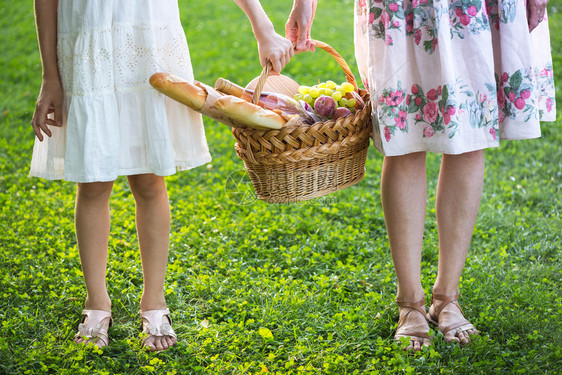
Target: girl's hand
[
  {"x": 536, "y": 10},
  {"x": 48, "y": 111},
  {"x": 297, "y": 28},
  {"x": 275, "y": 49}
]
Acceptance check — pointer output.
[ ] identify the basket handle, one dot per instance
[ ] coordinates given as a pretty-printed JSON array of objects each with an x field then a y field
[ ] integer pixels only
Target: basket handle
[{"x": 339, "y": 59}]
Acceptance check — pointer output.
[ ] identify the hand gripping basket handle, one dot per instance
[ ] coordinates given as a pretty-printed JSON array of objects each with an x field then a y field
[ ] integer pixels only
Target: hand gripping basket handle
[{"x": 339, "y": 59}]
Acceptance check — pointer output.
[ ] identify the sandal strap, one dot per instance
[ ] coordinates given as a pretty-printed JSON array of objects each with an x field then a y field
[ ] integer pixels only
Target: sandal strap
[
  {"x": 157, "y": 323},
  {"x": 445, "y": 300},
  {"x": 418, "y": 306}
]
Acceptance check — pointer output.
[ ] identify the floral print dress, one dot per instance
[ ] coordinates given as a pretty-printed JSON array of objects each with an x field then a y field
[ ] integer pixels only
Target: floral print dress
[{"x": 453, "y": 76}]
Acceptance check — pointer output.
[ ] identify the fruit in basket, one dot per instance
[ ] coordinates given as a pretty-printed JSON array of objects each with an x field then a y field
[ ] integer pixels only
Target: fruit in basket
[
  {"x": 325, "y": 106},
  {"x": 341, "y": 112},
  {"x": 344, "y": 96}
]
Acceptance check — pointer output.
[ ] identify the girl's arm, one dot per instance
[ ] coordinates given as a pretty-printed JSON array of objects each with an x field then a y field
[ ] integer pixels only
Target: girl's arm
[
  {"x": 299, "y": 24},
  {"x": 271, "y": 46},
  {"x": 50, "y": 95}
]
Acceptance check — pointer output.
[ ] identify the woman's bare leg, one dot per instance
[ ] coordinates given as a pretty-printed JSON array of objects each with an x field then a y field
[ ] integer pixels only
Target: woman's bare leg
[
  {"x": 459, "y": 192},
  {"x": 404, "y": 191}
]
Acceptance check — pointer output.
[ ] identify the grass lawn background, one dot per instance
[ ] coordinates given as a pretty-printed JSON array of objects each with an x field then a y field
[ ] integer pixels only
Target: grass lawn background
[{"x": 301, "y": 288}]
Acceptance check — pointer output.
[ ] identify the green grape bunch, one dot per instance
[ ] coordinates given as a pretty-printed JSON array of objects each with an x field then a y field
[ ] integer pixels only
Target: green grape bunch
[{"x": 329, "y": 88}]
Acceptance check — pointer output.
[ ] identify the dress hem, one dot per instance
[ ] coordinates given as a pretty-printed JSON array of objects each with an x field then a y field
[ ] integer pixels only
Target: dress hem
[{"x": 179, "y": 167}]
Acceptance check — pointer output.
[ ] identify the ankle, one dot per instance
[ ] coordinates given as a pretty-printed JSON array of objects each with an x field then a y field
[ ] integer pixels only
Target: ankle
[
  {"x": 99, "y": 303},
  {"x": 412, "y": 296},
  {"x": 446, "y": 289},
  {"x": 156, "y": 302}
]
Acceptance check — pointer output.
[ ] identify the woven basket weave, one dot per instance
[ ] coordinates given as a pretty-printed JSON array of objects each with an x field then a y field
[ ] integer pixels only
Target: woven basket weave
[{"x": 298, "y": 163}]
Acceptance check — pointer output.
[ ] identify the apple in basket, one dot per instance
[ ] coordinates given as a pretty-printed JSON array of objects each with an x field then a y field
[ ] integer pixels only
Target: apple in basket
[{"x": 325, "y": 106}]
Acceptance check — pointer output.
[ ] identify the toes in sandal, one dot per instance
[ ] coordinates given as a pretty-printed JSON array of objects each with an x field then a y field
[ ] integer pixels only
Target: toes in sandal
[
  {"x": 405, "y": 332},
  {"x": 92, "y": 327},
  {"x": 445, "y": 300},
  {"x": 156, "y": 323}
]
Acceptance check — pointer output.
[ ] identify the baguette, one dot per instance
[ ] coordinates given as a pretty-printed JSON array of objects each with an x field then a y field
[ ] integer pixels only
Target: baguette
[
  {"x": 180, "y": 90},
  {"x": 249, "y": 113}
]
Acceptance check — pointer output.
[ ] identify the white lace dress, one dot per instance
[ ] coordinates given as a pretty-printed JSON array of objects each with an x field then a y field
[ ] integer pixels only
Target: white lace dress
[{"x": 115, "y": 123}]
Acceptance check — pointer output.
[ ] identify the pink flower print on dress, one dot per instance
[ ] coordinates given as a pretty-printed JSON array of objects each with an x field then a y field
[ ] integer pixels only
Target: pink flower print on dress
[
  {"x": 546, "y": 72},
  {"x": 387, "y": 133},
  {"x": 430, "y": 112},
  {"x": 494, "y": 133},
  {"x": 388, "y": 40},
  {"x": 472, "y": 11},
  {"x": 432, "y": 94},
  {"x": 393, "y": 7},
  {"x": 395, "y": 98},
  {"x": 505, "y": 77},
  {"x": 409, "y": 23},
  {"x": 418, "y": 101},
  {"x": 363, "y": 3},
  {"x": 401, "y": 120},
  {"x": 525, "y": 94},
  {"x": 371, "y": 17},
  {"x": 549, "y": 104},
  {"x": 519, "y": 103},
  {"x": 465, "y": 19},
  {"x": 415, "y": 88},
  {"x": 385, "y": 18},
  {"x": 396, "y": 23},
  {"x": 512, "y": 96},
  {"x": 418, "y": 116},
  {"x": 417, "y": 36},
  {"x": 427, "y": 131}
]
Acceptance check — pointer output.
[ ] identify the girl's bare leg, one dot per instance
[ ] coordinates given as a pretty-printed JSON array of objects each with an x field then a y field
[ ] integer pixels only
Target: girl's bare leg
[
  {"x": 92, "y": 221},
  {"x": 404, "y": 192},
  {"x": 153, "y": 227}
]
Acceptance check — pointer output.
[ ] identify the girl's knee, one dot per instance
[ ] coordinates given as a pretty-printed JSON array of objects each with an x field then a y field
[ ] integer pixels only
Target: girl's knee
[
  {"x": 94, "y": 190},
  {"x": 147, "y": 186}
]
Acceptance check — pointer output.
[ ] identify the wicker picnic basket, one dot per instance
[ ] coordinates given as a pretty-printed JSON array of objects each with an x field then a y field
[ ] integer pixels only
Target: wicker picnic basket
[{"x": 298, "y": 163}]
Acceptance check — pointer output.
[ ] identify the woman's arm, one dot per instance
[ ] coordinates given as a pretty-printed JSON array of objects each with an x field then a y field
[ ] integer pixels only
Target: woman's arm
[
  {"x": 50, "y": 95},
  {"x": 299, "y": 24},
  {"x": 271, "y": 46},
  {"x": 536, "y": 9}
]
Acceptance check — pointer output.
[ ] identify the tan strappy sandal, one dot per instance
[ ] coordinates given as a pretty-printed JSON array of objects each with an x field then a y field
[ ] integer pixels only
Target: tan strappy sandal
[
  {"x": 445, "y": 300},
  {"x": 419, "y": 307},
  {"x": 156, "y": 323},
  {"x": 92, "y": 329}
]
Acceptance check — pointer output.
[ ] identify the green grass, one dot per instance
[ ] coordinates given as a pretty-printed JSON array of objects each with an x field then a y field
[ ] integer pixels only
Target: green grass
[{"x": 302, "y": 288}]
